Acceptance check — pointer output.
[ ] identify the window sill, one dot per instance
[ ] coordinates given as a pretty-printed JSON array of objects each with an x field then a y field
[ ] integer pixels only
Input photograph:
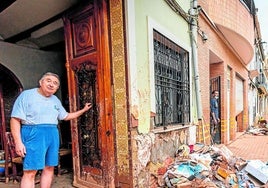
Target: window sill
[{"x": 170, "y": 128}]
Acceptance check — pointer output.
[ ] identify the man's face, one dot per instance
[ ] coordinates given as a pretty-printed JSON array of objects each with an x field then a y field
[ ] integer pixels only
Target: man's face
[
  {"x": 49, "y": 85},
  {"x": 216, "y": 94}
]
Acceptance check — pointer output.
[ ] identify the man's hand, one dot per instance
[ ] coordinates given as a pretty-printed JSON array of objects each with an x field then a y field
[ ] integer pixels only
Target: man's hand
[
  {"x": 87, "y": 107},
  {"x": 78, "y": 113},
  {"x": 20, "y": 149},
  {"x": 216, "y": 121}
]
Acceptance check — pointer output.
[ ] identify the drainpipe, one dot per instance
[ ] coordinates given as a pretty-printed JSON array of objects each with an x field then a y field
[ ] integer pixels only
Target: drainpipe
[{"x": 193, "y": 37}]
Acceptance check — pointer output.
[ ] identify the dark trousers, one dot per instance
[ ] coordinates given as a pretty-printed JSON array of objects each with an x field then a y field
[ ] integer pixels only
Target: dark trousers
[{"x": 215, "y": 132}]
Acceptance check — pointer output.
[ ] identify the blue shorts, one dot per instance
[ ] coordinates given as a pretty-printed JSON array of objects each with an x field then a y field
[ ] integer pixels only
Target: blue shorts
[{"x": 42, "y": 146}]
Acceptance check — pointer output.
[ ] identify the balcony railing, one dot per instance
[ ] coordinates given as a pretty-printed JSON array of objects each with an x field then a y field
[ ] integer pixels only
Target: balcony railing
[{"x": 250, "y": 5}]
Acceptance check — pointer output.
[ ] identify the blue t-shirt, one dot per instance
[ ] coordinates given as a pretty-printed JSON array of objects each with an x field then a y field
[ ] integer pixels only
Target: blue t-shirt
[{"x": 33, "y": 108}]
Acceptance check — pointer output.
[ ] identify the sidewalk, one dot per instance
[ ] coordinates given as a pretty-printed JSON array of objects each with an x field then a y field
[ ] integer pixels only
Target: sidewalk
[{"x": 250, "y": 147}]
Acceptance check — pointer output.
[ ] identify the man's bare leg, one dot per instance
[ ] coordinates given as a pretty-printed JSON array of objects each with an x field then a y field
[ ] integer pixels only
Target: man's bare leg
[
  {"x": 27, "y": 180},
  {"x": 47, "y": 177}
]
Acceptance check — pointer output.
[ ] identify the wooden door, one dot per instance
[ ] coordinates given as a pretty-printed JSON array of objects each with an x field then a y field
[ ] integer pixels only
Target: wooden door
[{"x": 89, "y": 80}]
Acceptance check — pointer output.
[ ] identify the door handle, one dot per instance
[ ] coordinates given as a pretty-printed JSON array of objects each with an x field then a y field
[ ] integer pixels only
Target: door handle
[{"x": 108, "y": 133}]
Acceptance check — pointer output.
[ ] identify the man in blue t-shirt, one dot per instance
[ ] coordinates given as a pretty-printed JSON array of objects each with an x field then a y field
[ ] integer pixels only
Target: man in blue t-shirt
[{"x": 33, "y": 124}]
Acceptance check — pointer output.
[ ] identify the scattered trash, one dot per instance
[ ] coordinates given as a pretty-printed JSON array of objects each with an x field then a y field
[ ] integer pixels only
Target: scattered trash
[
  {"x": 210, "y": 166},
  {"x": 258, "y": 169}
]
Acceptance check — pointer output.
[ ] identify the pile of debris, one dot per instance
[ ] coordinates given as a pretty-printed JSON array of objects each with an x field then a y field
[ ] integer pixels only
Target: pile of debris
[
  {"x": 258, "y": 131},
  {"x": 259, "y": 128},
  {"x": 209, "y": 166}
]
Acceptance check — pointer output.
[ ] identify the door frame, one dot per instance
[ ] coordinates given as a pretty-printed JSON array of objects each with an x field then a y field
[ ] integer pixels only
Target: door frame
[{"x": 97, "y": 51}]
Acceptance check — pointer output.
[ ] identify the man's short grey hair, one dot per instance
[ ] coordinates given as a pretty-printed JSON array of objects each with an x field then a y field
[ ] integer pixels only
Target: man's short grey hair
[{"x": 50, "y": 74}]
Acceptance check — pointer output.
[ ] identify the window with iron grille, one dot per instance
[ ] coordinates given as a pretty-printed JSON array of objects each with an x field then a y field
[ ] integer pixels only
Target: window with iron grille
[{"x": 172, "y": 85}]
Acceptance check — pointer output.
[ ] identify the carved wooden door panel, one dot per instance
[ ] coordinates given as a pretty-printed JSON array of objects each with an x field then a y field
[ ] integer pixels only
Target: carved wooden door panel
[{"x": 89, "y": 80}]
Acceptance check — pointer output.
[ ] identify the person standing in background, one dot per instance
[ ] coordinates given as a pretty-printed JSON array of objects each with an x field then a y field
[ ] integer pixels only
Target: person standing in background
[{"x": 214, "y": 111}]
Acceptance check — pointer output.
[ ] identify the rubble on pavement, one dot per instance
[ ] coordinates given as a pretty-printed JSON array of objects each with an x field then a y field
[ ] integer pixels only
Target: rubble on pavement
[
  {"x": 260, "y": 128},
  {"x": 203, "y": 166},
  {"x": 258, "y": 131}
]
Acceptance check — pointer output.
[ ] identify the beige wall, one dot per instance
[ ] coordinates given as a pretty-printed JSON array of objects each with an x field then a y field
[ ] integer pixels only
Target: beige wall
[
  {"x": 143, "y": 18},
  {"x": 29, "y": 64}
]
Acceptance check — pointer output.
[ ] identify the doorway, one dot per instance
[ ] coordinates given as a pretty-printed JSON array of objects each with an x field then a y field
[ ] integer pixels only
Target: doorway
[
  {"x": 89, "y": 80},
  {"x": 10, "y": 88},
  {"x": 215, "y": 85}
]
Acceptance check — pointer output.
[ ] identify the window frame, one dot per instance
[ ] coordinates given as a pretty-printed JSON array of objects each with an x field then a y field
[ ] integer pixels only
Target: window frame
[{"x": 153, "y": 25}]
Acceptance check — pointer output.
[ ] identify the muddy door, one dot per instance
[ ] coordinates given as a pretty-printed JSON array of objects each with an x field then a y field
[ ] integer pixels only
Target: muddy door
[{"x": 88, "y": 70}]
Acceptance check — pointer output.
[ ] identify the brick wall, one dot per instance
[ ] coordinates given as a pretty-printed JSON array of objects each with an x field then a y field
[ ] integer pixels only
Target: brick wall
[
  {"x": 215, "y": 57},
  {"x": 232, "y": 14}
]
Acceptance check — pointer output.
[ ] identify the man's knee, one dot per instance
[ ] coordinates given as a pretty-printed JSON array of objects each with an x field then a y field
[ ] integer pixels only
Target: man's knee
[{"x": 29, "y": 173}]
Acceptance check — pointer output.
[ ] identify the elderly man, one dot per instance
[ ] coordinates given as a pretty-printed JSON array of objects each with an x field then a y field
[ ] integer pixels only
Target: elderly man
[{"x": 33, "y": 124}]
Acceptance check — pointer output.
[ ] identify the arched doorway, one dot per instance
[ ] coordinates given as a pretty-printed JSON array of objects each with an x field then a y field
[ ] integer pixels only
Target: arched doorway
[{"x": 10, "y": 87}]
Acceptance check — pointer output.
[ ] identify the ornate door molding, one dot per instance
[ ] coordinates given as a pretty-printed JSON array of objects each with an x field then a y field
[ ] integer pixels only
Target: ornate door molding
[{"x": 89, "y": 80}]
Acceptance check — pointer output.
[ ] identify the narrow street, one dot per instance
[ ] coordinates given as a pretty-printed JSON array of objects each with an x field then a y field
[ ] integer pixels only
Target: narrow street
[
  {"x": 246, "y": 146},
  {"x": 169, "y": 84}
]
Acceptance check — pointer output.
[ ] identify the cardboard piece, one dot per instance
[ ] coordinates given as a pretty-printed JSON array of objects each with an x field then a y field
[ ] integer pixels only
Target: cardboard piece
[{"x": 258, "y": 169}]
